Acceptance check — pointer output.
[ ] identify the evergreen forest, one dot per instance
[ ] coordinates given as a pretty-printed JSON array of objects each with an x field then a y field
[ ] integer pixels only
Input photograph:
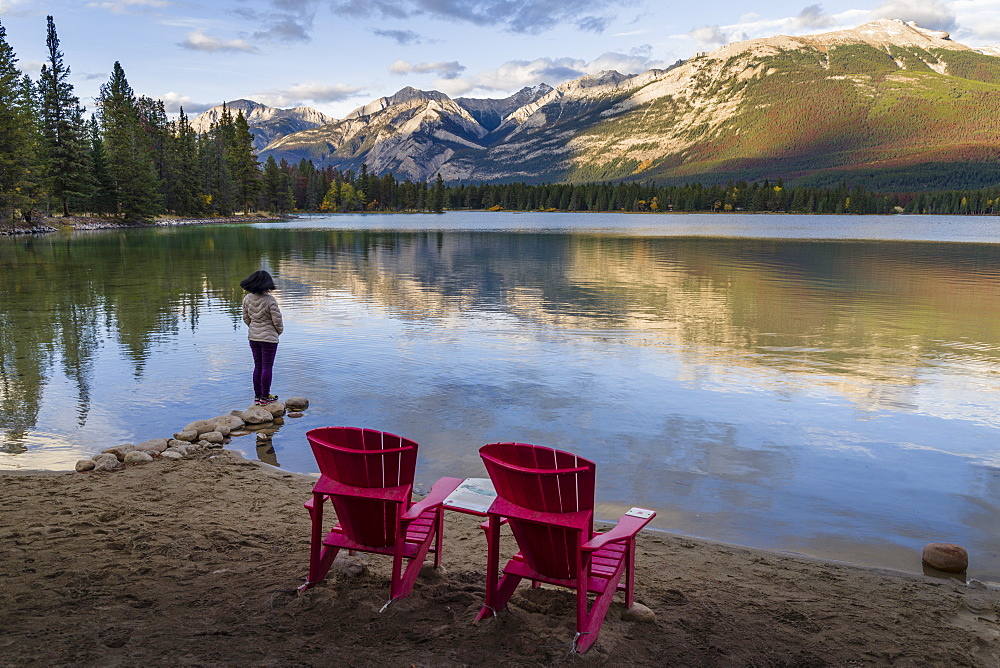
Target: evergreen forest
[{"x": 129, "y": 160}]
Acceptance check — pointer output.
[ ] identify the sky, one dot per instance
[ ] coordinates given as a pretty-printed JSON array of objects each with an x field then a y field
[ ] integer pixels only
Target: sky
[{"x": 337, "y": 55}]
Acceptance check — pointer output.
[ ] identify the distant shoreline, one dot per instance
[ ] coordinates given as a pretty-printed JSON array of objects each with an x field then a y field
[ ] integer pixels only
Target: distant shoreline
[{"x": 49, "y": 224}]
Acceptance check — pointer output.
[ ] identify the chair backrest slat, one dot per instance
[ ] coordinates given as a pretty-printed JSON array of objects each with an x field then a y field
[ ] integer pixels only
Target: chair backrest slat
[
  {"x": 370, "y": 459},
  {"x": 543, "y": 480}
]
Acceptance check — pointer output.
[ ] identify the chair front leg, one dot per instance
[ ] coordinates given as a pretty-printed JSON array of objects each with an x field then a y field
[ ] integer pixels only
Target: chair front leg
[
  {"x": 492, "y": 566},
  {"x": 439, "y": 539},
  {"x": 320, "y": 557},
  {"x": 630, "y": 574}
]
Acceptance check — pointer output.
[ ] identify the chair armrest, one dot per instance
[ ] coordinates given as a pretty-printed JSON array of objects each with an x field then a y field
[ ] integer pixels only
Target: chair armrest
[
  {"x": 627, "y": 527},
  {"x": 485, "y": 526},
  {"x": 439, "y": 492}
]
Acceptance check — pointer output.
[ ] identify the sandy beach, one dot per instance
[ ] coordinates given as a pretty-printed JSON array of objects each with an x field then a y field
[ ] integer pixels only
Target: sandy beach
[{"x": 195, "y": 563}]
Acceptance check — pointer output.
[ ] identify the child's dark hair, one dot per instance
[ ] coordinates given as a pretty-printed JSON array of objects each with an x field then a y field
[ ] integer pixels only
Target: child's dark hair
[{"x": 259, "y": 282}]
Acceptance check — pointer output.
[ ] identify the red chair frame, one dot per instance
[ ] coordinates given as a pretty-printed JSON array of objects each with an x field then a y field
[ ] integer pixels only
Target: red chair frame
[
  {"x": 547, "y": 498},
  {"x": 367, "y": 476}
]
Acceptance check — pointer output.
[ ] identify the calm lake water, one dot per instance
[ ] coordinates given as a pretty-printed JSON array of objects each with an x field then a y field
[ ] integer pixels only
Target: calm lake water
[{"x": 822, "y": 385}]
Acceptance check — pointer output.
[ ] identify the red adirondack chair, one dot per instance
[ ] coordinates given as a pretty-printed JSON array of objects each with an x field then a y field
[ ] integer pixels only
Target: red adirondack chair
[
  {"x": 547, "y": 497},
  {"x": 368, "y": 477}
]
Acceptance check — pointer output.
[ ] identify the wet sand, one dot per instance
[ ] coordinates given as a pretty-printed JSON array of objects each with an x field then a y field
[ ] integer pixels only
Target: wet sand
[{"x": 195, "y": 563}]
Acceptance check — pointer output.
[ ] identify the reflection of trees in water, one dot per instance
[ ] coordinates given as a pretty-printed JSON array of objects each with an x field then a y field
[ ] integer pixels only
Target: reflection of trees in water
[
  {"x": 64, "y": 295},
  {"x": 839, "y": 309},
  {"x": 864, "y": 318}
]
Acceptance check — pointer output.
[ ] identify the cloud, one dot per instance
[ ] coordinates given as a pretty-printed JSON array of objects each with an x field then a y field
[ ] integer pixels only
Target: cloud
[
  {"x": 594, "y": 23},
  {"x": 31, "y": 67},
  {"x": 286, "y": 29},
  {"x": 129, "y": 6},
  {"x": 979, "y": 21},
  {"x": 516, "y": 74},
  {"x": 932, "y": 14},
  {"x": 402, "y": 37},
  {"x": 285, "y": 21},
  {"x": 813, "y": 17},
  {"x": 518, "y": 16},
  {"x": 11, "y": 7},
  {"x": 709, "y": 37},
  {"x": 444, "y": 70},
  {"x": 298, "y": 95},
  {"x": 172, "y": 103},
  {"x": 197, "y": 40}
]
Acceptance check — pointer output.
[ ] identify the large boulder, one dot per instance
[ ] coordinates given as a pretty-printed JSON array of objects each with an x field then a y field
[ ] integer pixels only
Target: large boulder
[
  {"x": 189, "y": 436},
  {"x": 138, "y": 457},
  {"x": 296, "y": 403},
  {"x": 257, "y": 415},
  {"x": 153, "y": 445},
  {"x": 230, "y": 422},
  {"x": 947, "y": 557},
  {"x": 639, "y": 613},
  {"x": 119, "y": 451},
  {"x": 200, "y": 427},
  {"x": 275, "y": 408},
  {"x": 106, "y": 462},
  {"x": 85, "y": 465},
  {"x": 212, "y": 437}
]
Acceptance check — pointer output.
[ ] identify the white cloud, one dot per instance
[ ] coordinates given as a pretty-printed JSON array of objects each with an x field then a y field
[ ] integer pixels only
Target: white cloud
[
  {"x": 173, "y": 102},
  {"x": 813, "y": 17},
  {"x": 810, "y": 20},
  {"x": 444, "y": 70},
  {"x": 31, "y": 67},
  {"x": 709, "y": 37},
  {"x": 516, "y": 74},
  {"x": 197, "y": 40},
  {"x": 15, "y": 7},
  {"x": 298, "y": 95},
  {"x": 128, "y": 6},
  {"x": 979, "y": 22},
  {"x": 932, "y": 14}
]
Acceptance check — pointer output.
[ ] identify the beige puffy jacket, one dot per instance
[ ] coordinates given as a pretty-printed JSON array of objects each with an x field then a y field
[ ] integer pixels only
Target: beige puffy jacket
[{"x": 263, "y": 317}]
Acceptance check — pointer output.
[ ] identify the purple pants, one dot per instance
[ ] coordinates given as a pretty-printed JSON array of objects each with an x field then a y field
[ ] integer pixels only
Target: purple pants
[{"x": 263, "y": 360}]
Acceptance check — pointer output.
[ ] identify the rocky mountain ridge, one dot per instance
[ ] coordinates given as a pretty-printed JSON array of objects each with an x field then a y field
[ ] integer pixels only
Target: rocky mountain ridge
[
  {"x": 266, "y": 123},
  {"x": 887, "y": 101}
]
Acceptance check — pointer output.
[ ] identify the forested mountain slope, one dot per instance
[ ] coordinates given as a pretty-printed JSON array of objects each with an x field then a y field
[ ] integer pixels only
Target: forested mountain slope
[{"x": 887, "y": 104}]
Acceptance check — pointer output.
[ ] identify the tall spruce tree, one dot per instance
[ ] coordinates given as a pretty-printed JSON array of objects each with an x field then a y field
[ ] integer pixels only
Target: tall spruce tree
[
  {"x": 243, "y": 163},
  {"x": 128, "y": 149},
  {"x": 17, "y": 138},
  {"x": 276, "y": 188},
  {"x": 102, "y": 199},
  {"x": 64, "y": 145},
  {"x": 183, "y": 185},
  {"x": 217, "y": 177}
]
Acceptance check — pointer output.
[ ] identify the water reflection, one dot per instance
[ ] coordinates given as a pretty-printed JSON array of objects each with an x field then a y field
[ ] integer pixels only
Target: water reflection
[{"x": 833, "y": 397}]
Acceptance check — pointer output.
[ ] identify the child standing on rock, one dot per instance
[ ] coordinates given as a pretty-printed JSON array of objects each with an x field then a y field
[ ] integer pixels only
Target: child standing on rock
[{"x": 263, "y": 317}]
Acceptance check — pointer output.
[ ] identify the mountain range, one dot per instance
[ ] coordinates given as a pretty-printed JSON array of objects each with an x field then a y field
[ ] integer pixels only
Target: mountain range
[
  {"x": 888, "y": 104},
  {"x": 266, "y": 123}
]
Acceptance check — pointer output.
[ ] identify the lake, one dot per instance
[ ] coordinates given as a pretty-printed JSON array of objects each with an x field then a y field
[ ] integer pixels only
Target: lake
[{"x": 815, "y": 384}]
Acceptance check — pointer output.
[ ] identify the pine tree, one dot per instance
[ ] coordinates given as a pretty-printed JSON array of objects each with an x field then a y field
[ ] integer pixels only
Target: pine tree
[
  {"x": 276, "y": 191},
  {"x": 128, "y": 149},
  {"x": 218, "y": 179},
  {"x": 183, "y": 185},
  {"x": 102, "y": 198},
  {"x": 64, "y": 132},
  {"x": 17, "y": 139},
  {"x": 243, "y": 163},
  {"x": 437, "y": 195}
]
